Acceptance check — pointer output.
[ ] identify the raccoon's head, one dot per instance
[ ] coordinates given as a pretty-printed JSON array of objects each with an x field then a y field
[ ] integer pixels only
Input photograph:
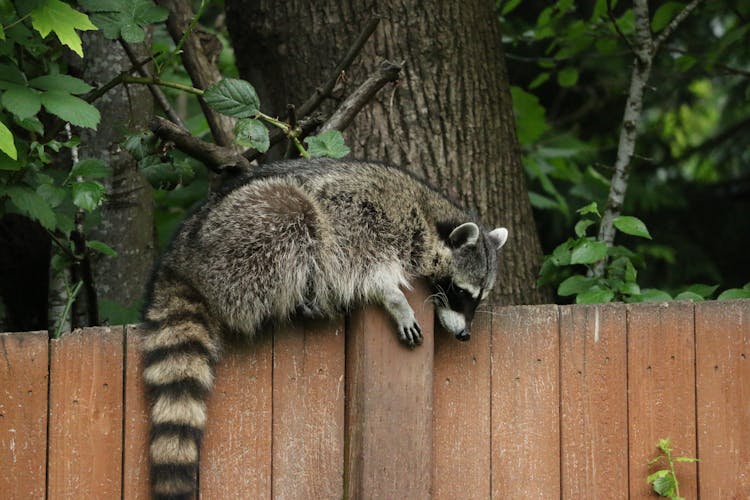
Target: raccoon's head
[{"x": 471, "y": 274}]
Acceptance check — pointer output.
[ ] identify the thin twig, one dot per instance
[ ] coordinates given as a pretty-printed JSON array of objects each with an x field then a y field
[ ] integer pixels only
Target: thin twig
[
  {"x": 321, "y": 93},
  {"x": 613, "y": 19},
  {"x": 159, "y": 96},
  {"x": 343, "y": 116},
  {"x": 674, "y": 23}
]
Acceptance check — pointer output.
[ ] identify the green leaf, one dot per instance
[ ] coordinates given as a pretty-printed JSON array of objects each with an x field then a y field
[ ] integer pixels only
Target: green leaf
[
  {"x": 631, "y": 225},
  {"x": 542, "y": 202},
  {"x": 734, "y": 293},
  {"x": 7, "y": 145},
  {"x": 251, "y": 133},
  {"x": 2, "y": 33},
  {"x": 686, "y": 459},
  {"x": 509, "y": 6},
  {"x": 588, "y": 252},
  {"x": 101, "y": 247},
  {"x": 656, "y": 475},
  {"x": 90, "y": 168},
  {"x": 591, "y": 208},
  {"x": 629, "y": 288},
  {"x": 539, "y": 80},
  {"x": 689, "y": 296},
  {"x": 664, "y": 15},
  {"x": 54, "y": 195},
  {"x": 329, "y": 143},
  {"x": 31, "y": 204},
  {"x": 595, "y": 295},
  {"x": 581, "y": 227},
  {"x": 88, "y": 195},
  {"x": 125, "y": 18},
  {"x": 22, "y": 101},
  {"x": 705, "y": 291},
  {"x": 162, "y": 175},
  {"x": 574, "y": 285},
  {"x": 233, "y": 97},
  {"x": 665, "y": 485},
  {"x": 530, "y": 116},
  {"x": 561, "y": 253},
  {"x": 653, "y": 295},
  {"x": 64, "y": 83},
  {"x": 10, "y": 74},
  {"x": 32, "y": 124},
  {"x": 62, "y": 19},
  {"x": 71, "y": 109},
  {"x": 567, "y": 77}
]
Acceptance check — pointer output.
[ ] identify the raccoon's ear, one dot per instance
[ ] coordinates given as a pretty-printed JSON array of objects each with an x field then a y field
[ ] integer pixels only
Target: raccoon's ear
[
  {"x": 465, "y": 234},
  {"x": 498, "y": 237}
]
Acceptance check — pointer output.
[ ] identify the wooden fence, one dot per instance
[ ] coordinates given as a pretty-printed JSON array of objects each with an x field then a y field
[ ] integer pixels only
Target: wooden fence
[{"x": 543, "y": 402}]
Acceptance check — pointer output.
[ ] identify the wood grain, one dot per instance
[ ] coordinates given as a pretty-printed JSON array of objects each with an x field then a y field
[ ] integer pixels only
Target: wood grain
[
  {"x": 661, "y": 391},
  {"x": 135, "y": 451},
  {"x": 389, "y": 405},
  {"x": 308, "y": 411},
  {"x": 23, "y": 414},
  {"x": 236, "y": 456},
  {"x": 525, "y": 403},
  {"x": 722, "y": 331},
  {"x": 461, "y": 418},
  {"x": 594, "y": 401},
  {"x": 85, "y": 420}
]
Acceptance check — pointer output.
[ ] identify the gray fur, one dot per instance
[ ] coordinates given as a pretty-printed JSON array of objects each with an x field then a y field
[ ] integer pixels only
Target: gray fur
[{"x": 313, "y": 238}]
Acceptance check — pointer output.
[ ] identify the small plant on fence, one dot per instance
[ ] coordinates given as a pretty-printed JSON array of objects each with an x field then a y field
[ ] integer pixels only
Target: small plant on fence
[{"x": 665, "y": 481}]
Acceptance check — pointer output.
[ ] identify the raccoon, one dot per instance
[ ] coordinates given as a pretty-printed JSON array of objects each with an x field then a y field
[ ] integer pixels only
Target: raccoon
[{"x": 301, "y": 237}]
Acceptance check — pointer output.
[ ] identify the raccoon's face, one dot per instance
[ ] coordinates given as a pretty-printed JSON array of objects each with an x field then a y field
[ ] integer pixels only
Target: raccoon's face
[{"x": 472, "y": 274}]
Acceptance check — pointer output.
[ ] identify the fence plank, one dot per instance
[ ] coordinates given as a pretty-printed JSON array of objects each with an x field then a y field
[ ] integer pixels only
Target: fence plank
[
  {"x": 308, "y": 411},
  {"x": 135, "y": 459},
  {"x": 236, "y": 456},
  {"x": 722, "y": 331},
  {"x": 593, "y": 394},
  {"x": 85, "y": 421},
  {"x": 525, "y": 402},
  {"x": 661, "y": 390},
  {"x": 461, "y": 420},
  {"x": 23, "y": 414},
  {"x": 389, "y": 412}
]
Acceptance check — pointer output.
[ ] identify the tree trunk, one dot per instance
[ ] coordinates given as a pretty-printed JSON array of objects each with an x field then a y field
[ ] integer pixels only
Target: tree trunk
[
  {"x": 127, "y": 214},
  {"x": 450, "y": 119}
]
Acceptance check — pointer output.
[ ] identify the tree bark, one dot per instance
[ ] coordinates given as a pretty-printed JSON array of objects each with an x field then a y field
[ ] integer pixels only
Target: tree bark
[
  {"x": 127, "y": 214},
  {"x": 449, "y": 120}
]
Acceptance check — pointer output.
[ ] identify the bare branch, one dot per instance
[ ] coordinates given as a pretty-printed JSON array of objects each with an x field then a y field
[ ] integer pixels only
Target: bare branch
[
  {"x": 159, "y": 96},
  {"x": 343, "y": 116},
  {"x": 612, "y": 18},
  {"x": 674, "y": 23},
  {"x": 202, "y": 70},
  {"x": 217, "y": 158},
  {"x": 321, "y": 93}
]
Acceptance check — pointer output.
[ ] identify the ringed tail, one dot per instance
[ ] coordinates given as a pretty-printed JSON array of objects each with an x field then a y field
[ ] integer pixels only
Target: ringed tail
[{"x": 179, "y": 350}]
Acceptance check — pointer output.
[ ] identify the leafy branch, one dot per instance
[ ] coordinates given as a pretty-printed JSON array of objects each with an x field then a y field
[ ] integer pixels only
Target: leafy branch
[
  {"x": 645, "y": 49},
  {"x": 665, "y": 481}
]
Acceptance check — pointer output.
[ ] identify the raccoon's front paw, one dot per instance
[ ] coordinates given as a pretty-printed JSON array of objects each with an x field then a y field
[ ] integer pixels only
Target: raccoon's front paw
[{"x": 410, "y": 334}]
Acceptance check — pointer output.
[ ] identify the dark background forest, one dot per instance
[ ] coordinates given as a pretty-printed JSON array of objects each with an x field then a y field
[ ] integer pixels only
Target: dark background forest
[{"x": 505, "y": 106}]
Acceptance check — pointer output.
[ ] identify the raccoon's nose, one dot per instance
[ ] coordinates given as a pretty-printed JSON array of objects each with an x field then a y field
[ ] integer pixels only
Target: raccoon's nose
[{"x": 463, "y": 335}]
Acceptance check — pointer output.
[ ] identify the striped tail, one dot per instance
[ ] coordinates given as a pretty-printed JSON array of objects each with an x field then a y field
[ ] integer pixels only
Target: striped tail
[{"x": 179, "y": 351}]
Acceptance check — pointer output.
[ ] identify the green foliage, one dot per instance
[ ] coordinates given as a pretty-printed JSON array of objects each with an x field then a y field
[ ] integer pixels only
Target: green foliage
[
  {"x": 329, "y": 143},
  {"x": 664, "y": 481},
  {"x": 251, "y": 133},
  {"x": 570, "y": 70},
  {"x": 124, "y": 18},
  {"x": 233, "y": 97},
  {"x": 54, "y": 16}
]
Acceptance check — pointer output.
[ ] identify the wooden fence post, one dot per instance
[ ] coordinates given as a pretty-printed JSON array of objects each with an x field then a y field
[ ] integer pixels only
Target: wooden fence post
[
  {"x": 23, "y": 414},
  {"x": 389, "y": 407}
]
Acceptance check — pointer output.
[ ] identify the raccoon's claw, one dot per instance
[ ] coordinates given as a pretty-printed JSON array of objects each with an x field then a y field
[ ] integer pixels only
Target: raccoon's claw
[{"x": 411, "y": 335}]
